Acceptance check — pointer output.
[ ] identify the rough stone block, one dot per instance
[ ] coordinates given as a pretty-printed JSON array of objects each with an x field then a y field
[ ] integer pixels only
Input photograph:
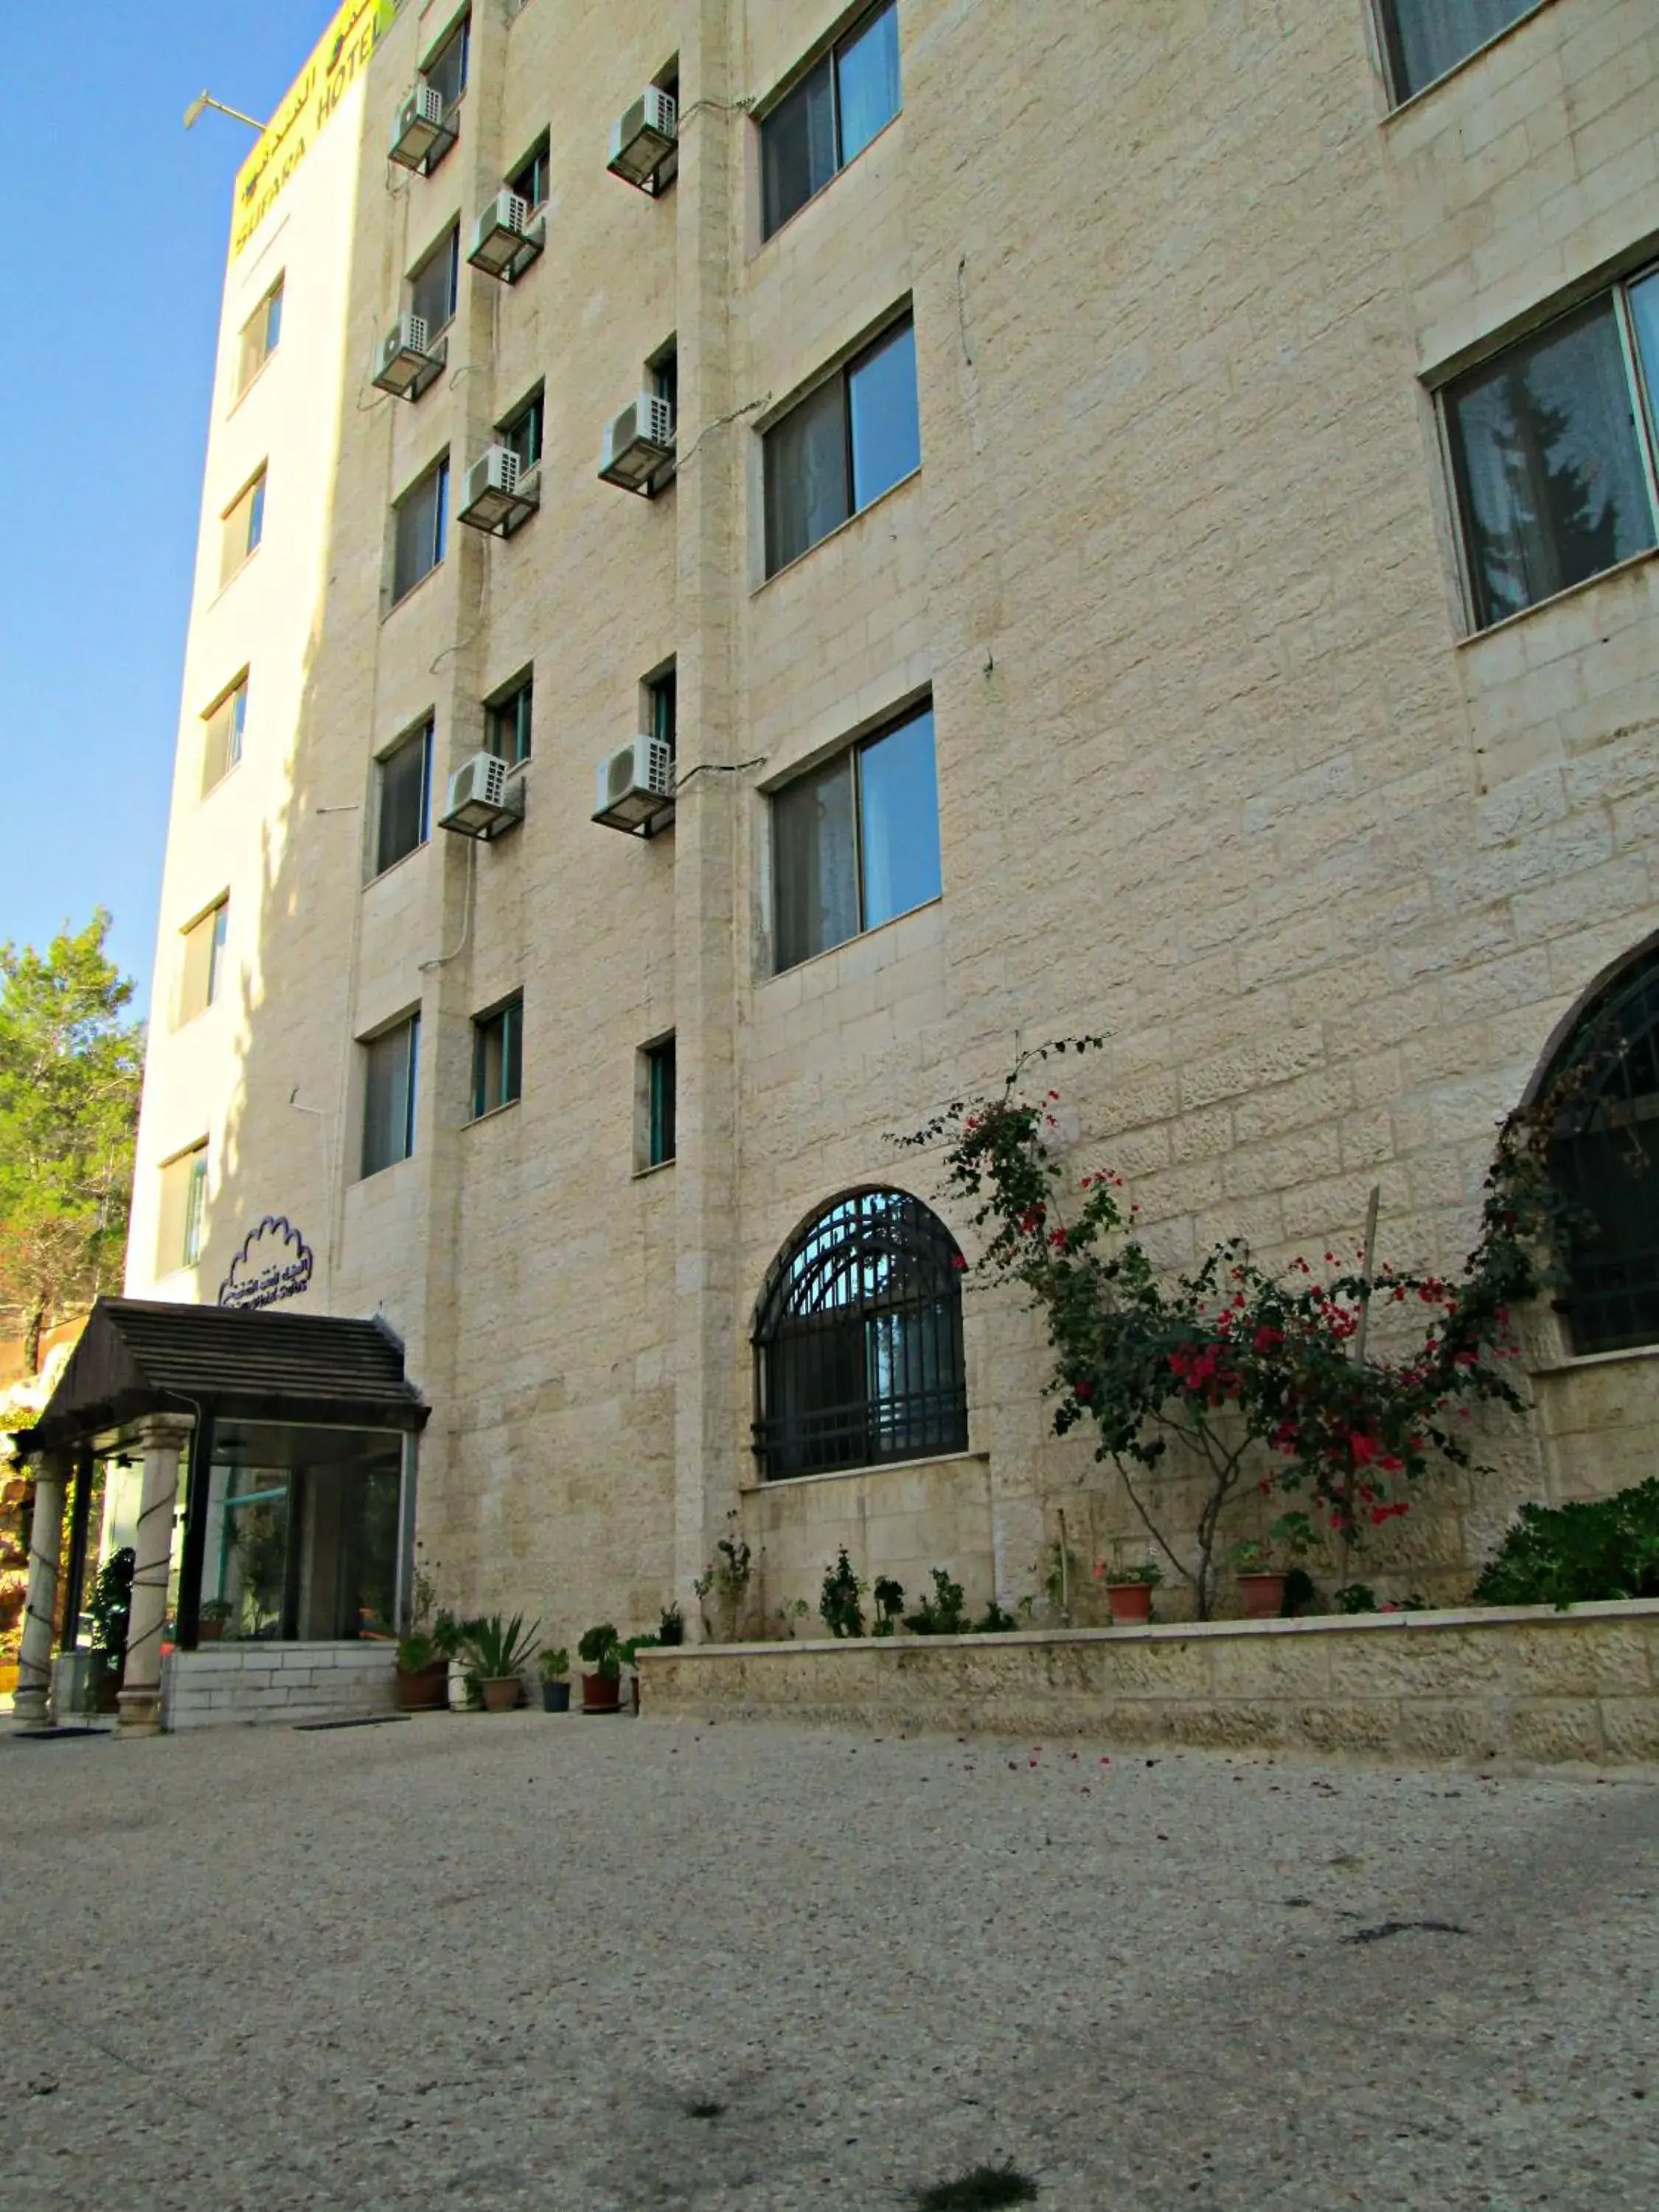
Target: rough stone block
[{"x": 1556, "y": 1729}]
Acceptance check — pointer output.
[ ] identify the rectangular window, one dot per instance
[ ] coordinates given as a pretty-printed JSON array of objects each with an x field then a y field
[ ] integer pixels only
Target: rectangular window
[
  {"x": 434, "y": 287},
  {"x": 856, "y": 843},
  {"x": 203, "y": 964},
  {"x": 662, "y": 1083},
  {"x": 184, "y": 1210},
  {"x": 662, "y": 706},
  {"x": 390, "y": 1066},
  {"x": 1427, "y": 37},
  {"x": 845, "y": 98},
  {"x": 498, "y": 1058},
  {"x": 243, "y": 525},
  {"x": 404, "y": 799},
  {"x": 508, "y": 723},
  {"x": 1552, "y": 455},
  {"x": 222, "y": 747},
  {"x": 849, "y": 441},
  {"x": 529, "y": 181},
  {"x": 445, "y": 69},
  {"x": 663, "y": 371},
  {"x": 521, "y": 432},
  {"x": 420, "y": 520},
  {"x": 260, "y": 333}
]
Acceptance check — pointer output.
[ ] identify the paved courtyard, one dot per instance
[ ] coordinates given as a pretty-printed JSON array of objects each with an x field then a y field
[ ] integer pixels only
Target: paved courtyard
[{"x": 586, "y": 1967}]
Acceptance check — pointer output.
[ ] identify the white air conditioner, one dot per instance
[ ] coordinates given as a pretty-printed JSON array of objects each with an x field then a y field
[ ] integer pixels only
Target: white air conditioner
[
  {"x": 505, "y": 238},
  {"x": 634, "y": 786},
  {"x": 409, "y": 358},
  {"x": 480, "y": 802},
  {"x": 638, "y": 445},
  {"x": 644, "y": 138},
  {"x": 423, "y": 133},
  {"x": 498, "y": 492}
]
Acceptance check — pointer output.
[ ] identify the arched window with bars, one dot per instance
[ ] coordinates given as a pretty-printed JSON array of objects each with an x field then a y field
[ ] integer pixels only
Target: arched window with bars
[
  {"x": 1604, "y": 1157},
  {"x": 858, "y": 1340}
]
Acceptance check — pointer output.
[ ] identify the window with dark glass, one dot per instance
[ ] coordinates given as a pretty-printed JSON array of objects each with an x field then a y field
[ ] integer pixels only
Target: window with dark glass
[
  {"x": 662, "y": 708},
  {"x": 498, "y": 1058},
  {"x": 222, "y": 747},
  {"x": 858, "y": 1340},
  {"x": 853, "y": 438},
  {"x": 243, "y": 526},
  {"x": 434, "y": 287},
  {"x": 663, "y": 372},
  {"x": 521, "y": 432},
  {"x": 1427, "y": 37},
  {"x": 404, "y": 777},
  {"x": 390, "y": 1064},
  {"x": 855, "y": 843},
  {"x": 260, "y": 334},
  {"x": 660, "y": 1088},
  {"x": 507, "y": 721},
  {"x": 529, "y": 179},
  {"x": 420, "y": 520},
  {"x": 1552, "y": 446},
  {"x": 445, "y": 68},
  {"x": 828, "y": 119}
]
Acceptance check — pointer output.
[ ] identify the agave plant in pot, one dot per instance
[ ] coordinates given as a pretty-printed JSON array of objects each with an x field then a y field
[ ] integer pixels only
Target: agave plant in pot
[
  {"x": 601, "y": 1654},
  {"x": 497, "y": 1650},
  {"x": 553, "y": 1663},
  {"x": 1129, "y": 1592}
]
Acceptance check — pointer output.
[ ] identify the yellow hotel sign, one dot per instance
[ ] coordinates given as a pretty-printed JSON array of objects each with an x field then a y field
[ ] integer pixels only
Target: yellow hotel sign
[{"x": 340, "y": 55}]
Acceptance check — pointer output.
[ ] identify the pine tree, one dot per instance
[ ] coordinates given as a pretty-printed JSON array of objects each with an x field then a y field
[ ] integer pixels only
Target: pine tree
[{"x": 1554, "y": 528}]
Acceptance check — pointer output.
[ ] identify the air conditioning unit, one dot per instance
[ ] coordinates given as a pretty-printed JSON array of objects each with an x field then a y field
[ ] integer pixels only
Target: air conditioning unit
[
  {"x": 480, "y": 802},
  {"x": 422, "y": 134},
  {"x": 504, "y": 241},
  {"x": 644, "y": 139},
  {"x": 498, "y": 492},
  {"x": 635, "y": 785},
  {"x": 639, "y": 445},
  {"x": 409, "y": 358}
]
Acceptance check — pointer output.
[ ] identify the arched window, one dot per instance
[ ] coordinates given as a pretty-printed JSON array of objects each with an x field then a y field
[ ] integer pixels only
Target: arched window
[
  {"x": 858, "y": 1339},
  {"x": 1604, "y": 1158}
]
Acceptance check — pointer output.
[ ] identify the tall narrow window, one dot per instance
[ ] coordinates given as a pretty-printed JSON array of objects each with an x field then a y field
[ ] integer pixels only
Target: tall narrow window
[
  {"x": 404, "y": 797},
  {"x": 221, "y": 745},
  {"x": 203, "y": 966},
  {"x": 826, "y": 121},
  {"x": 498, "y": 1058},
  {"x": 661, "y": 1101},
  {"x": 849, "y": 441},
  {"x": 184, "y": 1210},
  {"x": 662, "y": 709},
  {"x": 260, "y": 334},
  {"x": 243, "y": 525},
  {"x": 390, "y": 1063},
  {"x": 420, "y": 520},
  {"x": 1427, "y": 37},
  {"x": 521, "y": 431},
  {"x": 434, "y": 287},
  {"x": 508, "y": 723},
  {"x": 445, "y": 69},
  {"x": 529, "y": 179}
]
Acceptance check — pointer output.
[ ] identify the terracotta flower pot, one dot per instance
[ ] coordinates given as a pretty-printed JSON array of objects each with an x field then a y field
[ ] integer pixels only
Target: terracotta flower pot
[
  {"x": 501, "y": 1692},
  {"x": 1263, "y": 1596},
  {"x": 209, "y": 1631},
  {"x": 1131, "y": 1603},
  {"x": 423, "y": 1689},
  {"x": 600, "y": 1695}
]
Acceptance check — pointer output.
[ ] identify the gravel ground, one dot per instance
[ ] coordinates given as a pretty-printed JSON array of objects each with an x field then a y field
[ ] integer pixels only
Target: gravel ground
[{"x": 485, "y": 1963}]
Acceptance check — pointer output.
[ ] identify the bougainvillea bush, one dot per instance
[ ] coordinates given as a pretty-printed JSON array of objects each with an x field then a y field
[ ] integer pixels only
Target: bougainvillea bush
[{"x": 1253, "y": 1372}]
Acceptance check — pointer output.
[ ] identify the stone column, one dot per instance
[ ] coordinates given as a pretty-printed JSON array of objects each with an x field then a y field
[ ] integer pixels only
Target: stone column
[
  {"x": 161, "y": 1438},
  {"x": 45, "y": 1549}
]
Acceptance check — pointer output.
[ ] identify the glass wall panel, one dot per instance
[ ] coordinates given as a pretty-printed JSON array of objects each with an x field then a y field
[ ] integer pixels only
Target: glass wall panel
[
  {"x": 867, "y": 81},
  {"x": 886, "y": 428},
  {"x": 814, "y": 863},
  {"x": 798, "y": 146},
  {"x": 1427, "y": 37},
  {"x": 898, "y": 821},
  {"x": 806, "y": 485}
]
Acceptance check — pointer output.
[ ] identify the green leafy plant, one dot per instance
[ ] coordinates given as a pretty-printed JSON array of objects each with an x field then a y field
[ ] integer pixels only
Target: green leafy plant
[
  {"x": 1144, "y": 1571},
  {"x": 993, "y": 1621},
  {"x": 416, "y": 1653},
  {"x": 890, "y": 1604},
  {"x": 727, "y": 1580},
  {"x": 1575, "y": 1554},
  {"x": 214, "y": 1609},
  {"x": 449, "y": 1635},
  {"x": 839, "y": 1606},
  {"x": 1290, "y": 1538},
  {"x": 493, "y": 1648},
  {"x": 553, "y": 1662},
  {"x": 788, "y": 1613},
  {"x": 670, "y": 1626},
  {"x": 1355, "y": 1598},
  {"x": 111, "y": 1605},
  {"x": 943, "y": 1614},
  {"x": 635, "y": 1644},
  {"x": 600, "y": 1649}
]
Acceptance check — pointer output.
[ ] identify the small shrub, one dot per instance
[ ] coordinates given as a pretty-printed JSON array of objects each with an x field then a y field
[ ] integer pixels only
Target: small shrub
[
  {"x": 993, "y": 1621},
  {"x": 600, "y": 1648},
  {"x": 1575, "y": 1554},
  {"x": 944, "y": 1613},
  {"x": 670, "y": 1627},
  {"x": 839, "y": 1605},
  {"x": 1355, "y": 1598},
  {"x": 984, "y": 2190}
]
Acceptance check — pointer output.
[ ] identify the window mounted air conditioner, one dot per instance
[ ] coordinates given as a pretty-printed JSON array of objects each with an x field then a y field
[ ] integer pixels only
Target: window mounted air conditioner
[
  {"x": 635, "y": 786},
  {"x": 505, "y": 240},
  {"x": 647, "y": 134},
  {"x": 639, "y": 445},
  {"x": 423, "y": 133},
  {"x": 480, "y": 802},
  {"x": 498, "y": 492},
  {"x": 409, "y": 358}
]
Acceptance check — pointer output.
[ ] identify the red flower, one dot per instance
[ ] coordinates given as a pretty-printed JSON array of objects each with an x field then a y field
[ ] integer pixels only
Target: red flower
[
  {"x": 1084, "y": 1390},
  {"x": 958, "y": 1262}
]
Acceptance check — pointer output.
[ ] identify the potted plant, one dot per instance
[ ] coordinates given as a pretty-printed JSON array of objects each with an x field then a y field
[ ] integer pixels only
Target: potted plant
[
  {"x": 1261, "y": 1583},
  {"x": 670, "y": 1627},
  {"x": 211, "y": 1619},
  {"x": 496, "y": 1651},
  {"x": 634, "y": 1645},
  {"x": 111, "y": 1610},
  {"x": 599, "y": 1649},
  {"x": 554, "y": 1664},
  {"x": 1129, "y": 1593}
]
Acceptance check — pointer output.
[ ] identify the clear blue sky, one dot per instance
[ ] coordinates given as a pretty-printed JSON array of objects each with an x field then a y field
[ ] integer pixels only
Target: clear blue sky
[{"x": 115, "y": 265}]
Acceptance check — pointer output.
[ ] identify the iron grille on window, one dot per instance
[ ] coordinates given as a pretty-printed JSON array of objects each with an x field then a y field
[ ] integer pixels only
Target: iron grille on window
[
  {"x": 858, "y": 1340},
  {"x": 1604, "y": 1161}
]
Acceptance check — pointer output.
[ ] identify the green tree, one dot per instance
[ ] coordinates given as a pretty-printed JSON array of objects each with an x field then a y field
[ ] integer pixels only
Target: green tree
[{"x": 72, "y": 1061}]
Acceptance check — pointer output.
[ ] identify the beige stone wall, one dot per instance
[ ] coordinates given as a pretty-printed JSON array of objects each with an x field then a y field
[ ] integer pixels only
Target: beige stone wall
[{"x": 1219, "y": 770}]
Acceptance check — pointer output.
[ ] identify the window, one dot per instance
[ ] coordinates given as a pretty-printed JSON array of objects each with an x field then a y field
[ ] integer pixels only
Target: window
[
  {"x": 445, "y": 69},
  {"x": 529, "y": 181},
  {"x": 1547, "y": 445},
  {"x": 506, "y": 722},
  {"x": 662, "y": 712},
  {"x": 521, "y": 433},
  {"x": 856, "y": 843},
  {"x": 420, "y": 518},
  {"x": 390, "y": 1066},
  {"x": 222, "y": 747},
  {"x": 184, "y": 1210},
  {"x": 404, "y": 799},
  {"x": 498, "y": 1058},
  {"x": 663, "y": 374},
  {"x": 849, "y": 441},
  {"x": 828, "y": 118},
  {"x": 858, "y": 1340},
  {"x": 243, "y": 525},
  {"x": 260, "y": 333},
  {"x": 203, "y": 965},
  {"x": 434, "y": 287},
  {"x": 1603, "y": 1151},
  {"x": 660, "y": 1088},
  {"x": 1427, "y": 37}
]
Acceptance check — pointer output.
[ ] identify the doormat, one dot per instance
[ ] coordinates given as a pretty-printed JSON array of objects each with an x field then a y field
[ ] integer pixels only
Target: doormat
[
  {"x": 56, "y": 1734},
  {"x": 362, "y": 1720}
]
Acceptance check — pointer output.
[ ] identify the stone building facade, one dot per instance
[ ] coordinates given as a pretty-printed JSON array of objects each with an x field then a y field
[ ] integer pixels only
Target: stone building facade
[{"x": 1241, "y": 754}]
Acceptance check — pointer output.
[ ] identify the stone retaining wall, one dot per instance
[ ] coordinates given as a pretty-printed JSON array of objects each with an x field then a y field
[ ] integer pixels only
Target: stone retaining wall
[
  {"x": 224, "y": 1684},
  {"x": 1522, "y": 1682}
]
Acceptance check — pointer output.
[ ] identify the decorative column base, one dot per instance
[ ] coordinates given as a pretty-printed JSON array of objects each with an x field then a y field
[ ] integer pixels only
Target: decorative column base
[
  {"x": 28, "y": 1711},
  {"x": 140, "y": 1711}
]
